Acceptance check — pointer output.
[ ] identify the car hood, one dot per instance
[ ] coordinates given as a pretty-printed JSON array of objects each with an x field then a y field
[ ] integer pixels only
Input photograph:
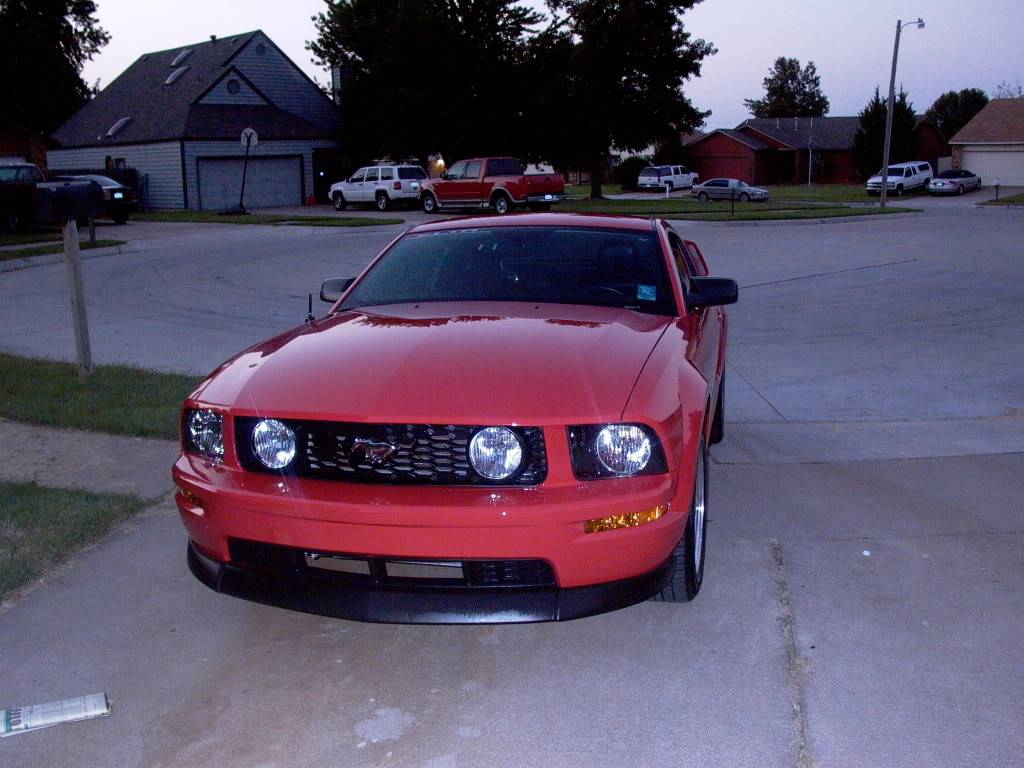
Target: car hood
[{"x": 475, "y": 363}]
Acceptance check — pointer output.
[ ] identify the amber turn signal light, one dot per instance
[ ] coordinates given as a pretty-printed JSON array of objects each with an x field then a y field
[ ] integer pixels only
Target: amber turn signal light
[{"x": 628, "y": 520}]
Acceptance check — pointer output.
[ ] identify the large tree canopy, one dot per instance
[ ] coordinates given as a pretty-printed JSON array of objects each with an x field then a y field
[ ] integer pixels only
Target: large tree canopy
[
  {"x": 870, "y": 137},
  {"x": 427, "y": 77},
  {"x": 790, "y": 91},
  {"x": 43, "y": 46},
  {"x": 953, "y": 109},
  {"x": 611, "y": 73}
]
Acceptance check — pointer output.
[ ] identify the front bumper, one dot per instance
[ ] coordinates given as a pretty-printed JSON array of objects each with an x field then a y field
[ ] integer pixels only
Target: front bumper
[{"x": 303, "y": 589}]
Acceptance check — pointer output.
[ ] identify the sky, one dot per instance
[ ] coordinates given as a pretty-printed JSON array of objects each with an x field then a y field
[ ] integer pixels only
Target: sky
[{"x": 965, "y": 43}]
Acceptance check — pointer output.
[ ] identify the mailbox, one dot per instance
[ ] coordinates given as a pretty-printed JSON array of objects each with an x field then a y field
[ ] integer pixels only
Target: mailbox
[{"x": 60, "y": 201}]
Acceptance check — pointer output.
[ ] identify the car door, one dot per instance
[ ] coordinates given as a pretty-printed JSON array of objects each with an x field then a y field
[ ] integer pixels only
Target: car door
[
  {"x": 474, "y": 188},
  {"x": 369, "y": 185},
  {"x": 447, "y": 189},
  {"x": 722, "y": 190},
  {"x": 351, "y": 187},
  {"x": 702, "y": 327}
]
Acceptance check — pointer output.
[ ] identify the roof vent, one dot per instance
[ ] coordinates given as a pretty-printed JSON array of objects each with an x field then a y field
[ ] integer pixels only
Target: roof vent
[
  {"x": 176, "y": 74},
  {"x": 181, "y": 57},
  {"x": 118, "y": 126}
]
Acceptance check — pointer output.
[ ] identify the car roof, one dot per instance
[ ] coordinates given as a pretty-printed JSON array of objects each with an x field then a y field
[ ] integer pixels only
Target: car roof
[{"x": 589, "y": 220}]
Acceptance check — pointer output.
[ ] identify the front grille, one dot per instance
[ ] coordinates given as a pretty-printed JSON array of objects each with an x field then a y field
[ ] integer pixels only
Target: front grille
[
  {"x": 378, "y": 571},
  {"x": 425, "y": 454}
]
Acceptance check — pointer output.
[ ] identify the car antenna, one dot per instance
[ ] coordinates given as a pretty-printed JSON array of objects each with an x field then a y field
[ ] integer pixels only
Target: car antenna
[{"x": 309, "y": 312}]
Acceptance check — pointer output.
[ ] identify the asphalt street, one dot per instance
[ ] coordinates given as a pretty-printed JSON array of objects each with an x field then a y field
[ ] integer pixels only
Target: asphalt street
[{"x": 865, "y": 560}]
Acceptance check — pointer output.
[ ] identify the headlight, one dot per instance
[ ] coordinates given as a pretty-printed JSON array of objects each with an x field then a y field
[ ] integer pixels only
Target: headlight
[
  {"x": 495, "y": 453},
  {"x": 204, "y": 433},
  {"x": 615, "y": 450},
  {"x": 273, "y": 443}
]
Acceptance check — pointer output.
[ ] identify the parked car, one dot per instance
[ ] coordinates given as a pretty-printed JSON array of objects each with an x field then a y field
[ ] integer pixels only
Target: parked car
[
  {"x": 660, "y": 176},
  {"x": 729, "y": 189},
  {"x": 954, "y": 183},
  {"x": 380, "y": 186},
  {"x": 498, "y": 183},
  {"x": 902, "y": 177},
  {"x": 18, "y": 182},
  {"x": 499, "y": 420},
  {"x": 119, "y": 200}
]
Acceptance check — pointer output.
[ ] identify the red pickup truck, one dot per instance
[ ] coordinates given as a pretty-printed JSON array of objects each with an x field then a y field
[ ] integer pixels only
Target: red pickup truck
[{"x": 498, "y": 183}]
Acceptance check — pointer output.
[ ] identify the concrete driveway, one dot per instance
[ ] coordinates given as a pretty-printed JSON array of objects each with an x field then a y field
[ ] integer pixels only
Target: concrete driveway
[{"x": 861, "y": 604}]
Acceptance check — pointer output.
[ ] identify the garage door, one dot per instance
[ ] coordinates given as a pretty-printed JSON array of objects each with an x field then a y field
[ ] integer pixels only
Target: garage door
[
  {"x": 269, "y": 182},
  {"x": 1005, "y": 165}
]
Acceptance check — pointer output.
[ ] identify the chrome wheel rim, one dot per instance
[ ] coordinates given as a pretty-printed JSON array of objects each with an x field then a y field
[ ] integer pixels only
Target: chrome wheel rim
[
  {"x": 699, "y": 512},
  {"x": 500, "y": 205},
  {"x": 382, "y": 202}
]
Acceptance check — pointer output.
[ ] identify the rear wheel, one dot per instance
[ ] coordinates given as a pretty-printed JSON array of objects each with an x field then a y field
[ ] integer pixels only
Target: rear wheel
[
  {"x": 899, "y": 190},
  {"x": 340, "y": 203},
  {"x": 501, "y": 204},
  {"x": 688, "y": 556},
  {"x": 702, "y": 196},
  {"x": 382, "y": 201},
  {"x": 428, "y": 203}
]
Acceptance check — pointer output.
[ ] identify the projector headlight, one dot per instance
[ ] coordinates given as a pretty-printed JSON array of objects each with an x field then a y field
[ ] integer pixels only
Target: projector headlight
[
  {"x": 203, "y": 433},
  {"x": 273, "y": 443},
  {"x": 495, "y": 453},
  {"x": 615, "y": 450}
]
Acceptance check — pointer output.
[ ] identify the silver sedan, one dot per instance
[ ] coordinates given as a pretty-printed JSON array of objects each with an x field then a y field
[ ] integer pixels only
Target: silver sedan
[
  {"x": 726, "y": 189},
  {"x": 954, "y": 183}
]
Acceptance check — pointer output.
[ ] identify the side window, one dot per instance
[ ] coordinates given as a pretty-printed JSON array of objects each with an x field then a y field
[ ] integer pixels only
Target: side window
[
  {"x": 458, "y": 171},
  {"x": 924, "y": 167},
  {"x": 387, "y": 174},
  {"x": 908, "y": 173},
  {"x": 677, "y": 171},
  {"x": 371, "y": 174},
  {"x": 682, "y": 258},
  {"x": 472, "y": 170},
  {"x": 357, "y": 176}
]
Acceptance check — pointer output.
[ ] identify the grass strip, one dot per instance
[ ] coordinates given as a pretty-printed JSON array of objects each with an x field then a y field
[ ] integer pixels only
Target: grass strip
[
  {"x": 212, "y": 217},
  {"x": 42, "y": 250},
  {"x": 1011, "y": 200},
  {"x": 115, "y": 399},
  {"x": 41, "y": 527}
]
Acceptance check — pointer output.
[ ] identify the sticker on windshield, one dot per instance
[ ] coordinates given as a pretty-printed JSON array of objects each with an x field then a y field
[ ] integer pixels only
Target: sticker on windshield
[{"x": 647, "y": 292}]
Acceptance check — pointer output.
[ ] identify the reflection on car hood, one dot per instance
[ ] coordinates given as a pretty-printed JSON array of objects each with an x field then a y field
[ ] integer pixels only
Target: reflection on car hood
[{"x": 476, "y": 362}]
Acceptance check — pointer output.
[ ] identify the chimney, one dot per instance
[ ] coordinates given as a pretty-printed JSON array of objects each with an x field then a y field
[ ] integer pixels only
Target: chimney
[
  {"x": 213, "y": 38},
  {"x": 338, "y": 74}
]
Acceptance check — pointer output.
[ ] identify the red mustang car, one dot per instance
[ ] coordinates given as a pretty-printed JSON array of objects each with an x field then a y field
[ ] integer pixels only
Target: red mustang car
[{"x": 500, "y": 420}]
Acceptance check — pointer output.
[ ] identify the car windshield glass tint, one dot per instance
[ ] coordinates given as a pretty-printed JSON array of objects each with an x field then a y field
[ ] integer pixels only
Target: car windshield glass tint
[
  {"x": 411, "y": 173},
  {"x": 560, "y": 265},
  {"x": 895, "y": 171}
]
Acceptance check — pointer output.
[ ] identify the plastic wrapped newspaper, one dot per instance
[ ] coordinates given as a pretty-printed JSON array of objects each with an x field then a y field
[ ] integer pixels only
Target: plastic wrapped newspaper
[{"x": 24, "y": 719}]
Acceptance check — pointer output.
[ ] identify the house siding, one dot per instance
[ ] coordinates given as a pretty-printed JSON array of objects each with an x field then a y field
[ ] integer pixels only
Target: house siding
[
  {"x": 272, "y": 148},
  {"x": 159, "y": 164},
  {"x": 219, "y": 94},
  {"x": 721, "y": 156},
  {"x": 284, "y": 84}
]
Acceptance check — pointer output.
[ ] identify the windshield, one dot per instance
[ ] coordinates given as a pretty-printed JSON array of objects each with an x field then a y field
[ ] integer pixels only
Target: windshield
[
  {"x": 893, "y": 171},
  {"x": 551, "y": 265},
  {"x": 411, "y": 172}
]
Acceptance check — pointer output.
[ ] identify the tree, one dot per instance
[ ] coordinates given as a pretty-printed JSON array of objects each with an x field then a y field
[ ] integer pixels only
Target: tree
[
  {"x": 43, "y": 46},
  {"x": 953, "y": 110},
  {"x": 790, "y": 91},
  {"x": 611, "y": 73},
  {"x": 870, "y": 137},
  {"x": 423, "y": 77},
  {"x": 1006, "y": 91}
]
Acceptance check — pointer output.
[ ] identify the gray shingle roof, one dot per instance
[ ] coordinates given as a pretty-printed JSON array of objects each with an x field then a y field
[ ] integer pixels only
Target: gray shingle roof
[
  {"x": 823, "y": 132},
  {"x": 161, "y": 112}
]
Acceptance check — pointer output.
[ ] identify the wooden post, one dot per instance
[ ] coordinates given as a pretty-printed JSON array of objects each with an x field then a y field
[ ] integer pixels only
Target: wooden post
[{"x": 73, "y": 267}]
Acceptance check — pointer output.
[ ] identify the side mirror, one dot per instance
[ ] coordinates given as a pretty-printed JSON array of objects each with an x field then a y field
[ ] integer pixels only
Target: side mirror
[
  {"x": 711, "y": 292},
  {"x": 332, "y": 290},
  {"x": 444, "y": 175}
]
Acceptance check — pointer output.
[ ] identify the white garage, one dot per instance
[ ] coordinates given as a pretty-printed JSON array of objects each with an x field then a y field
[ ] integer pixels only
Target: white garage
[
  {"x": 269, "y": 182},
  {"x": 992, "y": 143}
]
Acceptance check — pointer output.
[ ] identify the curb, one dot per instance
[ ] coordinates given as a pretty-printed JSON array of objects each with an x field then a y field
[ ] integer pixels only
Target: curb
[{"x": 13, "y": 265}]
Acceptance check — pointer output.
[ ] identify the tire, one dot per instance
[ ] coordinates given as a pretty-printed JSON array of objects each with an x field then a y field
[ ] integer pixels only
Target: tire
[
  {"x": 501, "y": 204},
  {"x": 718, "y": 424},
  {"x": 381, "y": 201},
  {"x": 899, "y": 190},
  {"x": 688, "y": 556},
  {"x": 340, "y": 203},
  {"x": 744, "y": 197},
  {"x": 429, "y": 203},
  {"x": 702, "y": 196}
]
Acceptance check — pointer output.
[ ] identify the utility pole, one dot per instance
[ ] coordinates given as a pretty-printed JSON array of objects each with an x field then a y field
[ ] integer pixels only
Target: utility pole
[{"x": 888, "y": 111}]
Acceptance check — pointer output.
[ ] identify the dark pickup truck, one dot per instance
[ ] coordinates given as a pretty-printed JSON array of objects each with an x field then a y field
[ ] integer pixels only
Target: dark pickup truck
[
  {"x": 28, "y": 199},
  {"x": 498, "y": 183}
]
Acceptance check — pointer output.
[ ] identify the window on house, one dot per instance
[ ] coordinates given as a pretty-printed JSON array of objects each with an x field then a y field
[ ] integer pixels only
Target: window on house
[
  {"x": 233, "y": 86},
  {"x": 181, "y": 57},
  {"x": 175, "y": 75}
]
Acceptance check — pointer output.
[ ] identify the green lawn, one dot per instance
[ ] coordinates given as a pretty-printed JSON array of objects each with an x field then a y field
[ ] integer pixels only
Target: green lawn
[
  {"x": 40, "y": 250},
  {"x": 750, "y": 214},
  {"x": 41, "y": 527},
  {"x": 115, "y": 399},
  {"x": 1011, "y": 200},
  {"x": 211, "y": 217},
  {"x": 836, "y": 193},
  {"x": 660, "y": 207},
  {"x": 27, "y": 238},
  {"x": 583, "y": 190}
]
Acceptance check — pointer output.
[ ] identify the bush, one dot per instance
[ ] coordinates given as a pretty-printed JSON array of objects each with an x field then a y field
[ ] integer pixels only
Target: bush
[{"x": 628, "y": 170}]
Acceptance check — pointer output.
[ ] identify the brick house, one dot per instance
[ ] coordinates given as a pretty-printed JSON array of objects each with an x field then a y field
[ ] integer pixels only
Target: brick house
[{"x": 992, "y": 143}]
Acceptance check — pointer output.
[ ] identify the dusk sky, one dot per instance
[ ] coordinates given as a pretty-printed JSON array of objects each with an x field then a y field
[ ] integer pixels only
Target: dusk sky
[{"x": 964, "y": 44}]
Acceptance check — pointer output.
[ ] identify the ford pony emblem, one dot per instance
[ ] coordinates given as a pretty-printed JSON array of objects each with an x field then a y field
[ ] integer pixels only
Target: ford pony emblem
[{"x": 373, "y": 451}]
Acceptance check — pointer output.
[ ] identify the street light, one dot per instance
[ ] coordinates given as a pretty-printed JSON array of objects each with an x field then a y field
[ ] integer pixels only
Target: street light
[{"x": 900, "y": 24}]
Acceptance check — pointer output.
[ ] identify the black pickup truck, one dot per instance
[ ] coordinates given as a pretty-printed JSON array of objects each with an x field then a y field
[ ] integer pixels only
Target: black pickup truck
[{"x": 28, "y": 199}]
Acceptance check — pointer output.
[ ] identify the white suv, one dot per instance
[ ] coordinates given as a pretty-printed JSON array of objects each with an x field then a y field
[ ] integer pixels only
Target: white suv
[
  {"x": 902, "y": 177},
  {"x": 660, "y": 176},
  {"x": 379, "y": 186}
]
